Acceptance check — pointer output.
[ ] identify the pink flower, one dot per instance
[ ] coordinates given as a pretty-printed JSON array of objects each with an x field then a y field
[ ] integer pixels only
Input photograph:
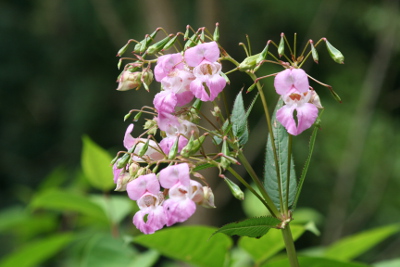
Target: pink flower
[
  {"x": 147, "y": 183},
  {"x": 167, "y": 64},
  {"x": 165, "y": 102},
  {"x": 207, "y": 51},
  {"x": 208, "y": 83},
  {"x": 292, "y": 85},
  {"x": 150, "y": 205},
  {"x": 180, "y": 206},
  {"x": 178, "y": 82}
]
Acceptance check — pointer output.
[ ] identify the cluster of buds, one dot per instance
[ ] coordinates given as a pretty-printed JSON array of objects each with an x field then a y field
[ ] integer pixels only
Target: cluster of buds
[{"x": 155, "y": 171}]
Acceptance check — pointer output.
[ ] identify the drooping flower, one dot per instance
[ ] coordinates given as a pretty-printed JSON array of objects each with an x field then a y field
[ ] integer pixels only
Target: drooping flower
[
  {"x": 180, "y": 206},
  {"x": 208, "y": 82},
  {"x": 292, "y": 84},
  {"x": 146, "y": 190},
  {"x": 167, "y": 64}
]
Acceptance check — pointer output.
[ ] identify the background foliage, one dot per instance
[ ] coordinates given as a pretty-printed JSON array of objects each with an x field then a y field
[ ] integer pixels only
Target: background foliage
[{"x": 58, "y": 71}]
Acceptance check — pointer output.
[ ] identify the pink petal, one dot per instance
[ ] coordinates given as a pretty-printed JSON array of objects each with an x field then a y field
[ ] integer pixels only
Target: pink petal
[
  {"x": 129, "y": 141},
  {"x": 165, "y": 102},
  {"x": 167, "y": 64},
  {"x": 207, "y": 51},
  {"x": 300, "y": 80},
  {"x": 285, "y": 116},
  {"x": 291, "y": 78},
  {"x": 144, "y": 183},
  {"x": 167, "y": 143},
  {"x": 178, "y": 210},
  {"x": 306, "y": 115},
  {"x": 171, "y": 175},
  {"x": 156, "y": 219}
]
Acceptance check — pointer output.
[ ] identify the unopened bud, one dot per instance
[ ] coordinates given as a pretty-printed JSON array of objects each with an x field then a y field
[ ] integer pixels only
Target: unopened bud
[
  {"x": 251, "y": 88},
  {"x": 137, "y": 116},
  {"x": 129, "y": 80},
  {"x": 133, "y": 168},
  {"x": 122, "y": 181},
  {"x": 314, "y": 52},
  {"x": 186, "y": 35},
  {"x": 174, "y": 149},
  {"x": 225, "y": 152},
  {"x": 281, "y": 46},
  {"x": 121, "y": 163},
  {"x": 142, "y": 45},
  {"x": 235, "y": 189},
  {"x": 192, "y": 146},
  {"x": 248, "y": 63},
  {"x": 157, "y": 47},
  {"x": 335, "y": 54},
  {"x": 216, "y": 32},
  {"x": 147, "y": 78},
  {"x": 170, "y": 43}
]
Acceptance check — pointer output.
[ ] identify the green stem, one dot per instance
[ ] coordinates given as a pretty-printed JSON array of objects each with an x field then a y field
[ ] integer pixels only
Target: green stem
[
  {"x": 274, "y": 211},
  {"x": 271, "y": 136},
  {"x": 288, "y": 174},
  {"x": 289, "y": 244}
]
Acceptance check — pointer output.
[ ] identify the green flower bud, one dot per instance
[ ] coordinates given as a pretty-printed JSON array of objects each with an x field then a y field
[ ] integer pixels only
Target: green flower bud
[
  {"x": 192, "y": 146},
  {"x": 157, "y": 47},
  {"x": 314, "y": 52},
  {"x": 142, "y": 45},
  {"x": 335, "y": 54},
  {"x": 235, "y": 189},
  {"x": 121, "y": 163},
  {"x": 248, "y": 63},
  {"x": 225, "y": 152},
  {"x": 144, "y": 149},
  {"x": 216, "y": 32},
  {"x": 174, "y": 149},
  {"x": 281, "y": 46}
]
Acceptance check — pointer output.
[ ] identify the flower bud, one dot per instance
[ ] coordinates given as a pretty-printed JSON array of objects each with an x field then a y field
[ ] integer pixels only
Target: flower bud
[
  {"x": 315, "y": 99},
  {"x": 157, "y": 47},
  {"x": 225, "y": 152},
  {"x": 192, "y": 146},
  {"x": 133, "y": 168},
  {"x": 129, "y": 80},
  {"x": 174, "y": 149},
  {"x": 248, "y": 63},
  {"x": 216, "y": 32},
  {"x": 121, "y": 163},
  {"x": 122, "y": 181},
  {"x": 142, "y": 45},
  {"x": 314, "y": 52},
  {"x": 170, "y": 43},
  {"x": 281, "y": 46},
  {"x": 144, "y": 149},
  {"x": 235, "y": 189},
  {"x": 147, "y": 78},
  {"x": 335, "y": 54}
]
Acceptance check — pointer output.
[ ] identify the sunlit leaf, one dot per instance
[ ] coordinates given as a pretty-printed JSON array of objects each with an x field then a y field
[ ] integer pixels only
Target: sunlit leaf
[
  {"x": 96, "y": 165},
  {"x": 62, "y": 200},
  {"x": 353, "y": 246},
  {"x": 36, "y": 252},
  {"x": 191, "y": 244},
  {"x": 115, "y": 207}
]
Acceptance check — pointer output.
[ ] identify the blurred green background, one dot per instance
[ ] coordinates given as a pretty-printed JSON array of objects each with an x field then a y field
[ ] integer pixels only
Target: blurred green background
[{"x": 58, "y": 72}]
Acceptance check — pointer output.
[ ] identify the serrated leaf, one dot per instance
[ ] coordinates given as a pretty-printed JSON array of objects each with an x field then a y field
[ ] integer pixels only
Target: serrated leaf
[
  {"x": 190, "y": 244},
  {"x": 353, "y": 246},
  {"x": 273, "y": 186},
  {"x": 253, "y": 227},
  {"x": 36, "y": 252},
  {"x": 314, "y": 262},
  {"x": 239, "y": 120},
  {"x": 62, "y": 200},
  {"x": 96, "y": 165},
  {"x": 267, "y": 246}
]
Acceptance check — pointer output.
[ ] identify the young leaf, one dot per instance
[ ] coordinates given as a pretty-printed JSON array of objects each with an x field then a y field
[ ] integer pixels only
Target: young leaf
[
  {"x": 62, "y": 200},
  {"x": 353, "y": 246},
  {"x": 253, "y": 227},
  {"x": 239, "y": 120},
  {"x": 36, "y": 252},
  {"x": 190, "y": 244},
  {"x": 267, "y": 246},
  {"x": 96, "y": 165},
  {"x": 276, "y": 187}
]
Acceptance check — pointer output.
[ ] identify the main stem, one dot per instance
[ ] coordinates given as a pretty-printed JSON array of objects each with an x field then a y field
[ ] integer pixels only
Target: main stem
[{"x": 289, "y": 244}]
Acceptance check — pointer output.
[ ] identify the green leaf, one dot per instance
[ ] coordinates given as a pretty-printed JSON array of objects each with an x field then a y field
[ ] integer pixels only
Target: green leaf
[
  {"x": 96, "y": 165},
  {"x": 277, "y": 187},
  {"x": 115, "y": 207},
  {"x": 267, "y": 246},
  {"x": 36, "y": 252},
  {"x": 62, "y": 200},
  {"x": 190, "y": 244},
  {"x": 239, "y": 120},
  {"x": 353, "y": 246},
  {"x": 103, "y": 250},
  {"x": 253, "y": 227},
  {"x": 314, "y": 262},
  {"x": 388, "y": 263}
]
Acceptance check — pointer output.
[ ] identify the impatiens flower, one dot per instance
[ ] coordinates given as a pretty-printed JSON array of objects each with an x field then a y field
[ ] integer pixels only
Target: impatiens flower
[
  {"x": 147, "y": 183},
  {"x": 130, "y": 142},
  {"x": 165, "y": 102},
  {"x": 179, "y": 207},
  {"x": 208, "y": 83},
  {"x": 292, "y": 84},
  {"x": 178, "y": 83},
  {"x": 167, "y": 64},
  {"x": 151, "y": 216},
  {"x": 207, "y": 51}
]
